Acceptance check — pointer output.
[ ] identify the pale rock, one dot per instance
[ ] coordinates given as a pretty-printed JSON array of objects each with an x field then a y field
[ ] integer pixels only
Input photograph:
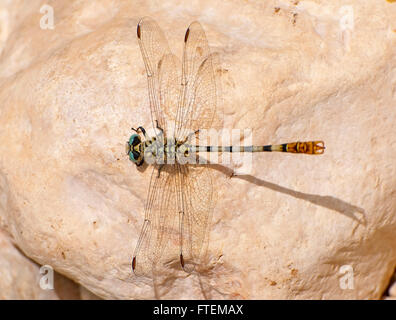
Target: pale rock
[
  {"x": 22, "y": 278},
  {"x": 295, "y": 227},
  {"x": 67, "y": 289},
  {"x": 87, "y": 295},
  {"x": 19, "y": 276},
  {"x": 392, "y": 289}
]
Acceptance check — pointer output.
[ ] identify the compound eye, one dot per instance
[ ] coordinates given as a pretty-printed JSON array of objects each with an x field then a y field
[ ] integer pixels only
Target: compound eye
[
  {"x": 134, "y": 140},
  {"x": 132, "y": 156},
  {"x": 133, "y": 149}
]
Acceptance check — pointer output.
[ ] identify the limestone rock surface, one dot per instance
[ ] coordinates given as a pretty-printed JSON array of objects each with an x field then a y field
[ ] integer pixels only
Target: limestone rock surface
[{"x": 294, "y": 227}]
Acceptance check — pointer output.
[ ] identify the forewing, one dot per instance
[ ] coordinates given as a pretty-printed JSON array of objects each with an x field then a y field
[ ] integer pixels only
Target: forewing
[
  {"x": 199, "y": 106},
  {"x": 169, "y": 79},
  {"x": 153, "y": 47}
]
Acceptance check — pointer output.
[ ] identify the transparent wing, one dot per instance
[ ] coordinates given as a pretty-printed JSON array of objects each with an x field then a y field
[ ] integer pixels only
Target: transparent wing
[
  {"x": 160, "y": 229},
  {"x": 199, "y": 106},
  {"x": 169, "y": 79},
  {"x": 187, "y": 97},
  {"x": 153, "y": 47},
  {"x": 195, "y": 185}
]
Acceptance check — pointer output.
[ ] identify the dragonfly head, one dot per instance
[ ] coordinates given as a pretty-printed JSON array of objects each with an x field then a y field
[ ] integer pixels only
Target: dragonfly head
[{"x": 134, "y": 149}]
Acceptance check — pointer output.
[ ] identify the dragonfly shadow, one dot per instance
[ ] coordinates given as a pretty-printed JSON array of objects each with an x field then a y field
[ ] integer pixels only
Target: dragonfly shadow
[
  {"x": 351, "y": 211},
  {"x": 143, "y": 167}
]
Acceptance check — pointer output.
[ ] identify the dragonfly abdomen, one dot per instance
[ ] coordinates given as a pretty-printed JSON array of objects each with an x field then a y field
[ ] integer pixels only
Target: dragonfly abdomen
[{"x": 307, "y": 147}]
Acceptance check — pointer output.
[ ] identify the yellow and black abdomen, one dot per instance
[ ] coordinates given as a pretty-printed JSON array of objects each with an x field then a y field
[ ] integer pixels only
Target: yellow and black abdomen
[{"x": 307, "y": 147}]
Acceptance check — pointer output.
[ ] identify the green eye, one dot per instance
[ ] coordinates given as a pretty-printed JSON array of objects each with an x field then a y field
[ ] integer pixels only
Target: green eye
[
  {"x": 134, "y": 155},
  {"x": 134, "y": 140}
]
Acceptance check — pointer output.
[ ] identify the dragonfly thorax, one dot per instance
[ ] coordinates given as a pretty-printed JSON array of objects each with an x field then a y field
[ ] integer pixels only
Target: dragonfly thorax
[{"x": 157, "y": 150}]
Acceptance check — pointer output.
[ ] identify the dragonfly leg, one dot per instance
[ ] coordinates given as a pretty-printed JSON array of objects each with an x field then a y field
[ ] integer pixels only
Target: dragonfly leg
[
  {"x": 158, "y": 127},
  {"x": 140, "y": 129},
  {"x": 159, "y": 169},
  {"x": 189, "y": 136}
]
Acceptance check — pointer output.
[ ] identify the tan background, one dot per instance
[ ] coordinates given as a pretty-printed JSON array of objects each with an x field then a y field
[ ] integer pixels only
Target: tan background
[{"x": 70, "y": 198}]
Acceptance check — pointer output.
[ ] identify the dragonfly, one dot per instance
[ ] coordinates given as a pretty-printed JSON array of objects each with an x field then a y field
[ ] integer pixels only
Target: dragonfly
[{"x": 183, "y": 99}]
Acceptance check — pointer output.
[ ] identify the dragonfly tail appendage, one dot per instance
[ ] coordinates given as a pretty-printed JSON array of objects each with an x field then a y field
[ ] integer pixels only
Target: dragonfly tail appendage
[{"x": 307, "y": 147}]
